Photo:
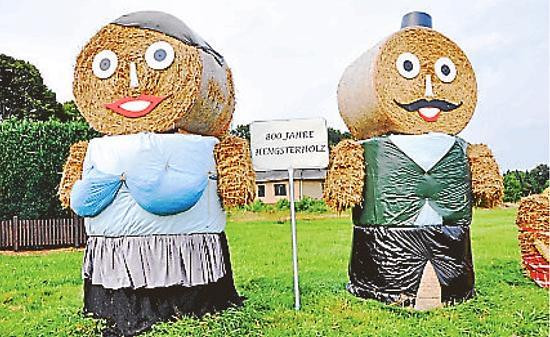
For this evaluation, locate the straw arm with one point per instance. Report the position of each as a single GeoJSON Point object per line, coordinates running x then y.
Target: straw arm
{"type": "Point", "coordinates": [487, 182]}
{"type": "Point", "coordinates": [72, 171]}
{"type": "Point", "coordinates": [236, 177]}
{"type": "Point", "coordinates": [343, 186]}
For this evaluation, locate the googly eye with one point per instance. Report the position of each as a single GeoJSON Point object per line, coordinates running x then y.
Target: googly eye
{"type": "Point", "coordinates": [159, 55]}
{"type": "Point", "coordinates": [445, 69]}
{"type": "Point", "coordinates": [408, 65]}
{"type": "Point", "coordinates": [104, 64]}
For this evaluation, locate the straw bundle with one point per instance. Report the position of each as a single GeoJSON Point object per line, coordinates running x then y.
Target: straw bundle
{"type": "Point", "coordinates": [236, 177]}
{"type": "Point", "coordinates": [533, 223]}
{"type": "Point", "coordinates": [371, 86]}
{"type": "Point", "coordinates": [487, 183]}
{"type": "Point", "coordinates": [72, 171]}
{"type": "Point", "coordinates": [343, 186]}
{"type": "Point", "coordinates": [185, 84]}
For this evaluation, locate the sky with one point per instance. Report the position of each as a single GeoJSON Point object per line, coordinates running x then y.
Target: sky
{"type": "Point", "coordinates": [287, 56]}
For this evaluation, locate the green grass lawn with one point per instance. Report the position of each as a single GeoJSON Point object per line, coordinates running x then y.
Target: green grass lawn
{"type": "Point", "coordinates": [41, 294]}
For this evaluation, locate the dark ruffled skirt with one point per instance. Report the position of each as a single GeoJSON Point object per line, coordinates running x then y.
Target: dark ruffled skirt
{"type": "Point", "coordinates": [387, 263]}
{"type": "Point", "coordinates": [130, 311]}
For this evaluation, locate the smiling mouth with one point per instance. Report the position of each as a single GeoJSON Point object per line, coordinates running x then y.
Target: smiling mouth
{"type": "Point", "coordinates": [429, 110]}
{"type": "Point", "coordinates": [134, 107]}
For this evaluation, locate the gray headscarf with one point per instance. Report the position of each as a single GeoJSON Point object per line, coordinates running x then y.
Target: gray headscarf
{"type": "Point", "coordinates": [169, 25]}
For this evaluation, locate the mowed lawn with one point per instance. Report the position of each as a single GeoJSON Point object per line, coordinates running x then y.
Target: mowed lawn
{"type": "Point", "coordinates": [41, 295]}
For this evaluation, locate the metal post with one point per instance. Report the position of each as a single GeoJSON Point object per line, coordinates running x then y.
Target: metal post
{"type": "Point", "coordinates": [294, 239]}
{"type": "Point", "coordinates": [15, 232]}
{"type": "Point", "coordinates": [76, 229]}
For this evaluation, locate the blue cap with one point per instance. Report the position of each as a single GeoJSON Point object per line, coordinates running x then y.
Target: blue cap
{"type": "Point", "coordinates": [416, 19]}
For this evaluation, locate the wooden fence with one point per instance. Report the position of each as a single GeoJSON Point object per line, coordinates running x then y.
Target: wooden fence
{"type": "Point", "coordinates": [18, 234]}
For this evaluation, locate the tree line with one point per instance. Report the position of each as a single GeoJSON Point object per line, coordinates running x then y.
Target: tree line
{"type": "Point", "coordinates": [518, 184]}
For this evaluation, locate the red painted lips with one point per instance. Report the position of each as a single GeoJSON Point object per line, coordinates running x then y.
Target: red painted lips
{"type": "Point", "coordinates": [134, 107]}
{"type": "Point", "coordinates": [429, 114]}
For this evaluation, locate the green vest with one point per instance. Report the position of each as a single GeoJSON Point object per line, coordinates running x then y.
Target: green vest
{"type": "Point", "coordinates": [396, 188]}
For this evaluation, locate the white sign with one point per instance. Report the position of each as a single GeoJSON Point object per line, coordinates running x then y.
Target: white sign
{"type": "Point", "coordinates": [284, 144]}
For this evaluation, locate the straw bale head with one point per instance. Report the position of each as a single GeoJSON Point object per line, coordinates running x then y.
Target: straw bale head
{"type": "Point", "coordinates": [415, 81]}
{"type": "Point", "coordinates": [147, 71]}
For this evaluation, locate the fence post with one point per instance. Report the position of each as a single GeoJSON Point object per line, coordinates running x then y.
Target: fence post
{"type": "Point", "coordinates": [15, 232]}
{"type": "Point", "coordinates": [76, 230]}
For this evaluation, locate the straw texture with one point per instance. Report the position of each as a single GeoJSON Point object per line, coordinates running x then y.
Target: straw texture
{"type": "Point", "coordinates": [371, 86]}
{"type": "Point", "coordinates": [343, 186]}
{"type": "Point", "coordinates": [487, 183]}
{"type": "Point", "coordinates": [184, 84]}
{"type": "Point", "coordinates": [72, 171]}
{"type": "Point", "coordinates": [236, 177]}
{"type": "Point", "coordinates": [533, 223]}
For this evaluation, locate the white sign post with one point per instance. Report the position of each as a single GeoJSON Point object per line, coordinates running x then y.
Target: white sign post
{"type": "Point", "coordinates": [288, 145]}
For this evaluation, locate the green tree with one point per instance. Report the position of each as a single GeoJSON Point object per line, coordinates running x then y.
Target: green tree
{"type": "Point", "coordinates": [71, 112]}
{"type": "Point", "coordinates": [242, 131]}
{"type": "Point", "coordinates": [335, 136]}
{"type": "Point", "coordinates": [512, 187]}
{"type": "Point", "coordinates": [539, 178]}
{"type": "Point", "coordinates": [23, 93]}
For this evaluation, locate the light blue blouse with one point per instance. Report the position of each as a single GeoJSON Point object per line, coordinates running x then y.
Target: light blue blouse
{"type": "Point", "coordinates": [149, 184]}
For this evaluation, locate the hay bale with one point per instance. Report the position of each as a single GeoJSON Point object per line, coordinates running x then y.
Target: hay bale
{"type": "Point", "coordinates": [72, 171]}
{"type": "Point", "coordinates": [199, 91]}
{"type": "Point", "coordinates": [487, 182]}
{"type": "Point", "coordinates": [236, 177]}
{"type": "Point", "coordinates": [343, 187]}
{"type": "Point", "coordinates": [371, 85]}
{"type": "Point", "coordinates": [533, 223]}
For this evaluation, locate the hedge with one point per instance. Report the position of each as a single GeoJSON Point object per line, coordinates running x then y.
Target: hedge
{"type": "Point", "coordinates": [32, 155]}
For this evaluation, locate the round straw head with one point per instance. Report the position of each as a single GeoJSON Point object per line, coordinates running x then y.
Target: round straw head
{"type": "Point", "coordinates": [132, 77]}
{"type": "Point", "coordinates": [414, 82]}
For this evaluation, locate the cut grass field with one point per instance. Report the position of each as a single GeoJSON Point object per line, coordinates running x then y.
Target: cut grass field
{"type": "Point", "coordinates": [41, 294]}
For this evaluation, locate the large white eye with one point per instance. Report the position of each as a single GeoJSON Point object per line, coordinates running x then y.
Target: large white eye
{"type": "Point", "coordinates": [159, 55]}
{"type": "Point", "coordinates": [408, 65]}
{"type": "Point", "coordinates": [445, 69]}
{"type": "Point", "coordinates": [104, 64]}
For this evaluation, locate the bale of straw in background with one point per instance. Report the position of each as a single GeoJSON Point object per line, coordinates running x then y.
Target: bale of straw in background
{"type": "Point", "coordinates": [72, 171]}
{"type": "Point", "coordinates": [487, 183]}
{"type": "Point", "coordinates": [533, 223]}
{"type": "Point", "coordinates": [236, 177]}
{"type": "Point", "coordinates": [343, 186]}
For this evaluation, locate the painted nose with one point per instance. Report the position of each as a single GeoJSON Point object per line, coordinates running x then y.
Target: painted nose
{"type": "Point", "coordinates": [429, 91]}
{"type": "Point", "coordinates": [134, 83]}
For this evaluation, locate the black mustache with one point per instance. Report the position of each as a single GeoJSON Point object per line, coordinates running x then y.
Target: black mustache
{"type": "Point", "coordinates": [422, 103]}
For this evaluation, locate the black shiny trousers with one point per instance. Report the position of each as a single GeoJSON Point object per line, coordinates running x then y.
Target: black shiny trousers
{"type": "Point", "coordinates": [387, 262]}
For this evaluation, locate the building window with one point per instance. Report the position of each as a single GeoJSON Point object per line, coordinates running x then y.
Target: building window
{"type": "Point", "coordinates": [280, 189]}
{"type": "Point", "coordinates": [261, 191]}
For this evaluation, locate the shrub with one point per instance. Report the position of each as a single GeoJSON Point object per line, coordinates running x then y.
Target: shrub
{"type": "Point", "coordinates": [308, 204]}
{"type": "Point", "coordinates": [32, 155]}
{"type": "Point", "coordinates": [282, 204]}
{"type": "Point", "coordinates": [257, 206]}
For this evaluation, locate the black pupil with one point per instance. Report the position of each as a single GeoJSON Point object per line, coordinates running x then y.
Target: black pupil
{"type": "Point", "coordinates": [445, 70]}
{"type": "Point", "coordinates": [105, 64]}
{"type": "Point", "coordinates": [408, 65]}
{"type": "Point", "coordinates": [160, 55]}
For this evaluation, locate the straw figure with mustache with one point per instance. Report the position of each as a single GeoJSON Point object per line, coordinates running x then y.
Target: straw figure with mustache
{"type": "Point", "coordinates": [410, 180]}
{"type": "Point", "coordinates": [154, 188]}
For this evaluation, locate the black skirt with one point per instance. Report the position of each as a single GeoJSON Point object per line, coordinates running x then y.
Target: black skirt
{"type": "Point", "coordinates": [131, 311]}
